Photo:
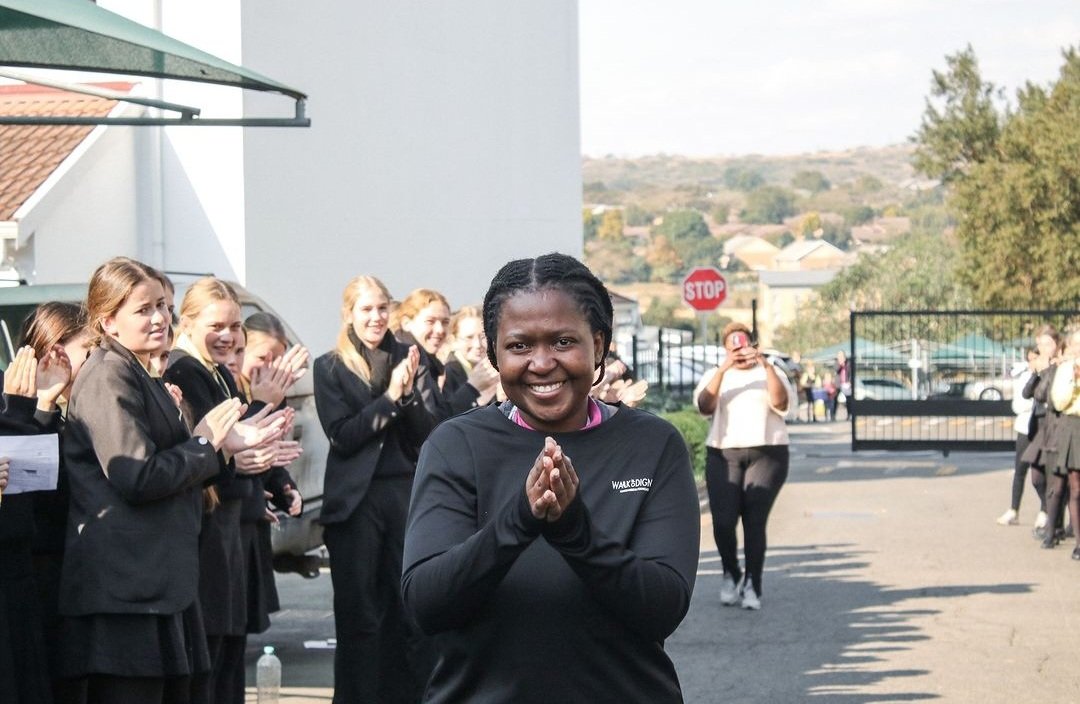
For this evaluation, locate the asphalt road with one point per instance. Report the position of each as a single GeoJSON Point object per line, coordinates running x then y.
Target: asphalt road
{"type": "Point", "coordinates": [887, 580]}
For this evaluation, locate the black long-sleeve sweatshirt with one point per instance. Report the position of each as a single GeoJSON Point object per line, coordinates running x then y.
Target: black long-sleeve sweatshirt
{"type": "Point", "coordinates": [572, 611]}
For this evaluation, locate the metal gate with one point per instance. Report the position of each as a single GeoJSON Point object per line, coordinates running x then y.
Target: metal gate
{"type": "Point", "coordinates": [940, 380]}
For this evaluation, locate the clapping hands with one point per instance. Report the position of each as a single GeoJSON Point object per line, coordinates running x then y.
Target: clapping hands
{"type": "Point", "coordinates": [552, 483]}
{"type": "Point", "coordinates": [403, 375]}
{"type": "Point", "coordinates": [270, 382]}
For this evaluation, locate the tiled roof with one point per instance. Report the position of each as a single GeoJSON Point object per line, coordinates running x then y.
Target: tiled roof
{"type": "Point", "coordinates": [30, 153]}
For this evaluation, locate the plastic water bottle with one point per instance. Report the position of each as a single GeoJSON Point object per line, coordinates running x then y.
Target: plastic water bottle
{"type": "Point", "coordinates": [268, 676]}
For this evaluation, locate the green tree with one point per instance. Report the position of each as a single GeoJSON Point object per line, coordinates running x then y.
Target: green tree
{"type": "Point", "coordinates": [614, 261]}
{"type": "Point", "coordinates": [866, 183]}
{"type": "Point", "coordinates": [739, 178]}
{"type": "Point", "coordinates": [1012, 184]}
{"type": "Point", "coordinates": [661, 312]}
{"type": "Point", "coordinates": [611, 225]}
{"type": "Point", "coordinates": [589, 224]}
{"type": "Point", "coordinates": [837, 235]}
{"type": "Point", "coordinates": [682, 224]}
{"type": "Point", "coordinates": [961, 124]}
{"type": "Point", "coordinates": [915, 273]}
{"type": "Point", "coordinates": [769, 204]}
{"type": "Point", "coordinates": [858, 215]}
{"type": "Point", "coordinates": [811, 223]}
{"type": "Point", "coordinates": [813, 181]}
{"type": "Point", "coordinates": [663, 261]}
{"type": "Point", "coordinates": [636, 216]}
{"type": "Point", "coordinates": [720, 213]}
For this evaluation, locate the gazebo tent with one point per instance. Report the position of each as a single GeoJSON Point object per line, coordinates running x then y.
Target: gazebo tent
{"type": "Point", "coordinates": [77, 35]}
{"type": "Point", "coordinates": [867, 354]}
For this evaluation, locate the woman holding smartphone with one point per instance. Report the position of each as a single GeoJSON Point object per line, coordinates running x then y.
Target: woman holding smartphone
{"type": "Point", "coordinates": [747, 457]}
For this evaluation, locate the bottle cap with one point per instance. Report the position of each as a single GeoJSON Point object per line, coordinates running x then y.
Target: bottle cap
{"type": "Point", "coordinates": [269, 649]}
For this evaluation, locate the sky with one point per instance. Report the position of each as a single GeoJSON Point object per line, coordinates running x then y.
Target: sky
{"type": "Point", "coordinates": [722, 78]}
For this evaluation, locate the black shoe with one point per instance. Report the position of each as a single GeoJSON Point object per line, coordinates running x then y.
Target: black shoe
{"type": "Point", "coordinates": [1069, 532]}
{"type": "Point", "coordinates": [1060, 534]}
{"type": "Point", "coordinates": [1049, 542]}
{"type": "Point", "coordinates": [1076, 553]}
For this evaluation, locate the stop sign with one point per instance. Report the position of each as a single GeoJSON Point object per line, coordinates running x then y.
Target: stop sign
{"type": "Point", "coordinates": [704, 288]}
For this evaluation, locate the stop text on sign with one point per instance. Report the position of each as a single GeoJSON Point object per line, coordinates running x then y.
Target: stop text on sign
{"type": "Point", "coordinates": [703, 290]}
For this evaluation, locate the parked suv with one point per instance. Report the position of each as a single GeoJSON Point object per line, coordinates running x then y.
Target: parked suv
{"type": "Point", "coordinates": [293, 537]}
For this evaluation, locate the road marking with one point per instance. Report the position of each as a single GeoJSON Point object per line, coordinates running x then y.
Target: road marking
{"type": "Point", "coordinates": [328, 644]}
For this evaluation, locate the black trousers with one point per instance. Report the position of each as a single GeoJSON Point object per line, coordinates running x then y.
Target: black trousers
{"type": "Point", "coordinates": [743, 483]}
{"type": "Point", "coordinates": [224, 684]}
{"type": "Point", "coordinates": [381, 655]}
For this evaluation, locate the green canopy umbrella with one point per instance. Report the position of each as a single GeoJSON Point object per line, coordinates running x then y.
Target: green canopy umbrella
{"type": "Point", "coordinates": [78, 35]}
{"type": "Point", "coordinates": [971, 348]}
{"type": "Point", "coordinates": [867, 353]}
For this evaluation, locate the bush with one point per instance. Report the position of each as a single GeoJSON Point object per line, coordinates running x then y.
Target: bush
{"type": "Point", "coordinates": [694, 428]}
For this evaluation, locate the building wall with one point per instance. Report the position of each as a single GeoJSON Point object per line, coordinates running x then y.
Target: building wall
{"type": "Point", "coordinates": [192, 179]}
{"type": "Point", "coordinates": [779, 306]}
{"type": "Point", "coordinates": [87, 214]}
{"type": "Point", "coordinates": [445, 141]}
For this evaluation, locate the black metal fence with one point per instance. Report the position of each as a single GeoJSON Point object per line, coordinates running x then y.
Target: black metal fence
{"type": "Point", "coordinates": [673, 360]}
{"type": "Point", "coordinates": [940, 380]}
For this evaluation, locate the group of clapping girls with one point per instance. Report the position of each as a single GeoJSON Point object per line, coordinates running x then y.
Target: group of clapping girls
{"type": "Point", "coordinates": [1048, 435]}
{"type": "Point", "coordinates": [139, 577]}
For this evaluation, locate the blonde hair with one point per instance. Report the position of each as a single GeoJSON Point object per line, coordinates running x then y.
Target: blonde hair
{"type": "Point", "coordinates": [345, 348]}
{"type": "Point", "coordinates": [462, 314]}
{"type": "Point", "coordinates": [110, 286]}
{"type": "Point", "coordinates": [415, 302]}
{"type": "Point", "coordinates": [202, 293]}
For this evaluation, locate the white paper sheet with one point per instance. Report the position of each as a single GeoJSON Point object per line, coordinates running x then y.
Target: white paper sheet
{"type": "Point", "coordinates": [35, 462]}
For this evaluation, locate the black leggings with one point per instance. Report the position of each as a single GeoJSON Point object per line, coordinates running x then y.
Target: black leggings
{"type": "Point", "coordinates": [1057, 496]}
{"type": "Point", "coordinates": [1020, 470]}
{"type": "Point", "coordinates": [743, 483]}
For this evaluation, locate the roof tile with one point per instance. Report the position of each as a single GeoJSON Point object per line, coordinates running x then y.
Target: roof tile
{"type": "Point", "coordinates": [30, 153]}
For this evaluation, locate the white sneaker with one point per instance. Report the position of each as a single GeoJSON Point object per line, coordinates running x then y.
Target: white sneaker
{"type": "Point", "coordinates": [1008, 518]}
{"type": "Point", "coordinates": [729, 591]}
{"type": "Point", "coordinates": [1040, 520]}
{"type": "Point", "coordinates": [750, 599]}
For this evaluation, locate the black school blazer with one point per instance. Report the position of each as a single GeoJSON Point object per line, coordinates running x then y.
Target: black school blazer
{"type": "Point", "coordinates": [136, 478]}
{"type": "Point", "coordinates": [357, 424]}
{"type": "Point", "coordinates": [201, 393]}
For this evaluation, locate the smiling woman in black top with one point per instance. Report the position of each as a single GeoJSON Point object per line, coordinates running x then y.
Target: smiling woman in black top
{"type": "Point", "coordinates": [543, 578]}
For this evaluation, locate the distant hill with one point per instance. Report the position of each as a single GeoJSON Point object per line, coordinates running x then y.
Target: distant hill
{"type": "Point", "coordinates": [891, 165]}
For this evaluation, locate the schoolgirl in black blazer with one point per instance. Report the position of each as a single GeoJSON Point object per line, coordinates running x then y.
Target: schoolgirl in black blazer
{"type": "Point", "coordinates": [209, 330]}
{"type": "Point", "coordinates": [24, 661]}
{"type": "Point", "coordinates": [369, 393]}
{"type": "Point", "coordinates": [130, 573]}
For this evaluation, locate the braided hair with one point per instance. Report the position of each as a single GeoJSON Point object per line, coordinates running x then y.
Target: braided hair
{"type": "Point", "coordinates": [553, 271]}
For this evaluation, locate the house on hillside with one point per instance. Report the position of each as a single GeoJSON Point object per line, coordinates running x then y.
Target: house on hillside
{"type": "Point", "coordinates": [880, 231]}
{"type": "Point", "coordinates": [68, 193]}
{"type": "Point", "coordinates": [627, 318]}
{"type": "Point", "coordinates": [794, 222]}
{"type": "Point", "coordinates": [754, 253]}
{"type": "Point", "coordinates": [781, 293]}
{"type": "Point", "coordinates": [811, 255]}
